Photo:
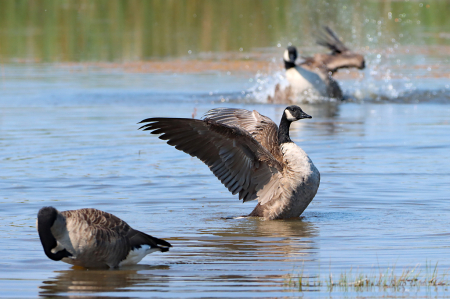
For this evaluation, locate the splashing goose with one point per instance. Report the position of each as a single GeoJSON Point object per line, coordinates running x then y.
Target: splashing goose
{"type": "Point", "coordinates": [313, 77]}
{"type": "Point", "coordinates": [93, 238]}
{"type": "Point", "coordinates": [250, 155]}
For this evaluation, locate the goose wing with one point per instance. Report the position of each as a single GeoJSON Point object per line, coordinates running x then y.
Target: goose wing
{"type": "Point", "coordinates": [99, 234]}
{"type": "Point", "coordinates": [260, 127]}
{"type": "Point", "coordinates": [236, 158]}
{"type": "Point", "coordinates": [330, 40]}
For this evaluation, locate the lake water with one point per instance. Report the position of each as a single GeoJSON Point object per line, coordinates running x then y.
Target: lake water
{"type": "Point", "coordinates": [69, 138]}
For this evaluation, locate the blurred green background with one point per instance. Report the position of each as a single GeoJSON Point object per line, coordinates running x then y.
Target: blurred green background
{"type": "Point", "coordinates": [134, 30]}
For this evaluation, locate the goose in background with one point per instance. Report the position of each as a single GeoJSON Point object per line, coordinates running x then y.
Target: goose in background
{"type": "Point", "coordinates": [250, 155]}
{"type": "Point", "coordinates": [313, 77]}
{"type": "Point", "coordinates": [92, 238]}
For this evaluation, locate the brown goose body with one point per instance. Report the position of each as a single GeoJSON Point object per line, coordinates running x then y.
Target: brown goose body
{"type": "Point", "coordinates": [92, 238]}
{"type": "Point", "coordinates": [250, 155]}
{"type": "Point", "coordinates": [313, 77]}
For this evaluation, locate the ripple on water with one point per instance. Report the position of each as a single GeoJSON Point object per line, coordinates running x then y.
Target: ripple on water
{"type": "Point", "coordinates": [382, 200]}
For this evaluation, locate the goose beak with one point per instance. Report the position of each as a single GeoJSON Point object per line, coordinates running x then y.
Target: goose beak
{"type": "Point", "coordinates": [304, 115]}
{"type": "Point", "coordinates": [363, 65]}
{"type": "Point", "coordinates": [292, 57]}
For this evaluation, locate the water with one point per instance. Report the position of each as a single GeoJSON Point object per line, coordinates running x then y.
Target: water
{"type": "Point", "coordinates": [382, 200]}
{"type": "Point", "coordinates": [69, 138]}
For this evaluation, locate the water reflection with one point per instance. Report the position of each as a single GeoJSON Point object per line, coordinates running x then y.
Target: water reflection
{"type": "Point", "coordinates": [95, 281]}
{"type": "Point", "coordinates": [253, 239]}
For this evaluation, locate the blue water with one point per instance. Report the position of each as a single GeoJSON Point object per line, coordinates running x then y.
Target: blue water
{"type": "Point", "coordinates": [70, 140]}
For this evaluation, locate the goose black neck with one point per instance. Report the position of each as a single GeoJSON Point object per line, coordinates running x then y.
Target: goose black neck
{"type": "Point", "coordinates": [288, 64]}
{"type": "Point", "coordinates": [46, 219]}
{"type": "Point", "coordinates": [283, 130]}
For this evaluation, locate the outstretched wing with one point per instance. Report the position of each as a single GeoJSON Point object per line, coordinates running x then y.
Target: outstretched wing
{"type": "Point", "coordinates": [330, 40]}
{"type": "Point", "coordinates": [237, 159]}
{"type": "Point", "coordinates": [260, 127]}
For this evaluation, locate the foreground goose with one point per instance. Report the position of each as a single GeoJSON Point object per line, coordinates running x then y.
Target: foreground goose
{"type": "Point", "coordinates": [93, 238]}
{"type": "Point", "coordinates": [250, 155]}
{"type": "Point", "coordinates": [313, 77]}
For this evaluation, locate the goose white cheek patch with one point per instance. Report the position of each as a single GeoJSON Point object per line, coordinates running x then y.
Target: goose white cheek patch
{"type": "Point", "coordinates": [289, 116]}
{"type": "Point", "coordinates": [286, 56]}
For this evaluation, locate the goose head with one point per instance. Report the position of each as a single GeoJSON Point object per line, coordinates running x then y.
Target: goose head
{"type": "Point", "coordinates": [289, 57]}
{"type": "Point", "coordinates": [294, 113]}
{"type": "Point", "coordinates": [45, 221]}
{"type": "Point", "coordinates": [291, 113]}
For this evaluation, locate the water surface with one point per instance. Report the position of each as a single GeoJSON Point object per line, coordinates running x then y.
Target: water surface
{"type": "Point", "coordinates": [382, 200]}
{"type": "Point", "coordinates": [69, 138]}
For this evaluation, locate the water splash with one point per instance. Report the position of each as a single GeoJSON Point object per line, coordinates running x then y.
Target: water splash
{"type": "Point", "coordinates": [391, 75]}
{"type": "Point", "coordinates": [265, 85]}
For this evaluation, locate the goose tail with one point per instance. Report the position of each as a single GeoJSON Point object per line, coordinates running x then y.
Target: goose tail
{"type": "Point", "coordinates": [161, 244]}
{"type": "Point", "coordinates": [137, 239]}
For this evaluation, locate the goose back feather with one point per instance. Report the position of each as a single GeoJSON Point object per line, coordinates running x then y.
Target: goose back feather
{"type": "Point", "coordinates": [260, 127]}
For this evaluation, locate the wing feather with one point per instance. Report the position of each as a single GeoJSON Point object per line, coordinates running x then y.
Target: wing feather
{"type": "Point", "coordinates": [101, 233]}
{"type": "Point", "coordinates": [330, 40]}
{"type": "Point", "coordinates": [232, 153]}
{"type": "Point", "coordinates": [106, 237]}
{"type": "Point", "coordinates": [260, 127]}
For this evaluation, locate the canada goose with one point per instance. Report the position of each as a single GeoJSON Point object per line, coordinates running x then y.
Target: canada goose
{"type": "Point", "coordinates": [313, 76]}
{"type": "Point", "coordinates": [250, 155]}
{"type": "Point", "coordinates": [93, 238]}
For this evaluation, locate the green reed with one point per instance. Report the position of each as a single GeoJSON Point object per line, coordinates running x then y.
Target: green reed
{"type": "Point", "coordinates": [134, 30]}
{"type": "Point", "coordinates": [385, 279]}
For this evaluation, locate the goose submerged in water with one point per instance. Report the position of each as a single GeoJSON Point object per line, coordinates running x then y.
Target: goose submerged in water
{"type": "Point", "coordinates": [250, 155]}
{"type": "Point", "coordinates": [93, 238]}
{"type": "Point", "coordinates": [313, 78]}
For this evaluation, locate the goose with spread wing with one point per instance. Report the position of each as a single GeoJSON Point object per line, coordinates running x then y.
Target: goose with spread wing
{"type": "Point", "coordinates": [250, 155]}
{"type": "Point", "coordinates": [92, 238]}
{"type": "Point", "coordinates": [313, 77]}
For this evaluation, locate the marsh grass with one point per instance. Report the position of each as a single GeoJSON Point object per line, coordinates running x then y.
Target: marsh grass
{"type": "Point", "coordinates": [387, 279]}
